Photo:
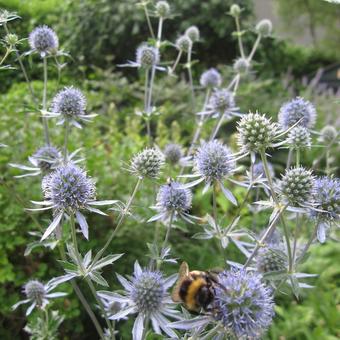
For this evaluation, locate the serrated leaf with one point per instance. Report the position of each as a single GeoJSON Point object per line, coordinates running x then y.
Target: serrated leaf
{"type": "Point", "coordinates": [96, 277]}
{"type": "Point", "coordinates": [105, 261]}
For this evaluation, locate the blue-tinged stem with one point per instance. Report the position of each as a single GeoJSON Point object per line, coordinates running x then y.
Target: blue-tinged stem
{"type": "Point", "coordinates": [45, 123]}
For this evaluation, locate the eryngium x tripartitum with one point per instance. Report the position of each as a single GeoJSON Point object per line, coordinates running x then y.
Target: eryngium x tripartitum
{"type": "Point", "coordinates": [297, 186]}
{"type": "Point", "coordinates": [193, 33]}
{"type": "Point", "coordinates": [264, 27]}
{"type": "Point", "coordinates": [256, 132]}
{"type": "Point", "coordinates": [243, 303]}
{"type": "Point", "coordinates": [211, 78]}
{"type": "Point", "coordinates": [147, 56]}
{"type": "Point", "coordinates": [68, 188]}
{"type": "Point", "coordinates": [35, 291]}
{"type": "Point", "coordinates": [70, 102]}
{"type": "Point", "coordinates": [173, 197]}
{"type": "Point", "coordinates": [299, 138]}
{"type": "Point", "coordinates": [268, 260]}
{"type": "Point", "coordinates": [162, 9]}
{"type": "Point", "coordinates": [173, 153]}
{"type": "Point", "coordinates": [221, 101]}
{"type": "Point", "coordinates": [328, 134]}
{"type": "Point", "coordinates": [241, 65]}
{"type": "Point", "coordinates": [297, 110]}
{"type": "Point", "coordinates": [147, 163]}
{"type": "Point", "coordinates": [327, 199]}
{"type": "Point", "coordinates": [145, 294]}
{"type": "Point", "coordinates": [184, 43]}
{"type": "Point", "coordinates": [43, 39]}
{"type": "Point", "coordinates": [46, 158]}
{"type": "Point", "coordinates": [214, 161]}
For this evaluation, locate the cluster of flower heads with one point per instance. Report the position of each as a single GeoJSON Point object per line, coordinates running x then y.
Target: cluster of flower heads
{"type": "Point", "coordinates": [184, 42]}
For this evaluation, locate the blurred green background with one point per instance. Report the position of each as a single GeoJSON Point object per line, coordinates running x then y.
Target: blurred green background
{"type": "Point", "coordinates": [101, 34]}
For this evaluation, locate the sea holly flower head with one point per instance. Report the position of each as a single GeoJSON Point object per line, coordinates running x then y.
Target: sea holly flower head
{"type": "Point", "coordinates": [211, 78]}
{"type": "Point", "coordinates": [184, 43]}
{"type": "Point", "coordinates": [145, 294]}
{"type": "Point", "coordinates": [256, 132]}
{"type": "Point", "coordinates": [222, 102]}
{"type": "Point", "coordinates": [69, 105]}
{"type": "Point", "coordinates": [148, 163]}
{"type": "Point", "coordinates": [264, 27]}
{"type": "Point", "coordinates": [213, 163]}
{"type": "Point", "coordinates": [326, 199]}
{"type": "Point", "coordinates": [68, 190]}
{"type": "Point", "coordinates": [296, 186]}
{"type": "Point", "coordinates": [43, 40]}
{"type": "Point", "coordinates": [162, 9]}
{"type": "Point", "coordinates": [193, 33]}
{"type": "Point", "coordinates": [241, 66]}
{"type": "Point", "coordinates": [299, 111]}
{"type": "Point", "coordinates": [243, 303]}
{"type": "Point", "coordinates": [173, 200]}
{"type": "Point", "coordinates": [328, 134]}
{"type": "Point", "coordinates": [299, 138]}
{"type": "Point", "coordinates": [235, 10]}
{"type": "Point", "coordinates": [269, 260]}
{"type": "Point", "coordinates": [39, 294]}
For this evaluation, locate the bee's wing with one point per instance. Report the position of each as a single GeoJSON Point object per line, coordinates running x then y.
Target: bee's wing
{"type": "Point", "coordinates": [183, 273]}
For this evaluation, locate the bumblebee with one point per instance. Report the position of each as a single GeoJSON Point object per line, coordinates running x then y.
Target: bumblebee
{"type": "Point", "coordinates": [195, 288]}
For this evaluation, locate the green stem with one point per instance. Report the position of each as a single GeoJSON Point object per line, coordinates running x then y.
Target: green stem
{"type": "Point", "coordinates": [146, 327]}
{"type": "Point", "coordinates": [120, 221]}
{"type": "Point", "coordinates": [271, 186]}
{"type": "Point", "coordinates": [310, 241]}
{"type": "Point", "coordinates": [149, 22]}
{"type": "Point", "coordinates": [255, 46]}
{"type": "Point", "coordinates": [173, 68]}
{"type": "Point", "coordinates": [295, 235]}
{"type": "Point", "coordinates": [191, 83]}
{"type": "Point", "coordinates": [166, 238]}
{"type": "Point", "coordinates": [8, 51]}
{"type": "Point", "coordinates": [289, 158]}
{"type": "Point", "coordinates": [159, 33]}
{"type": "Point", "coordinates": [46, 132]}
{"type": "Point", "coordinates": [23, 69]}
{"type": "Point", "coordinates": [297, 157]}
{"type": "Point", "coordinates": [83, 299]}
{"type": "Point", "coordinates": [67, 131]}
{"type": "Point", "coordinates": [88, 281]}
{"type": "Point", "coordinates": [239, 37]}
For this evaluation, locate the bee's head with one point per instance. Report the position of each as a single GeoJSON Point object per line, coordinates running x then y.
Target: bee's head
{"type": "Point", "coordinates": [205, 296]}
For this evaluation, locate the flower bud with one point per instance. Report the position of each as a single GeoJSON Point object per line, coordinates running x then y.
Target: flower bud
{"type": "Point", "coordinates": [264, 27]}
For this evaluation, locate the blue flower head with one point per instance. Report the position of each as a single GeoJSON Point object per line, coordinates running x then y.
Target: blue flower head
{"type": "Point", "coordinates": [43, 40]}
{"type": "Point", "coordinates": [243, 303]}
{"type": "Point", "coordinates": [296, 110]}
{"type": "Point", "coordinates": [211, 78]}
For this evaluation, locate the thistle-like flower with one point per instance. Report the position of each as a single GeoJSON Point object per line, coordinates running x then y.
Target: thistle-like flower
{"type": "Point", "coordinates": [297, 186]}
{"type": "Point", "coordinates": [328, 135]}
{"type": "Point", "coordinates": [243, 308]}
{"type": "Point", "coordinates": [264, 27]}
{"type": "Point", "coordinates": [147, 163]}
{"type": "Point", "coordinates": [69, 105]}
{"type": "Point", "coordinates": [162, 9]}
{"type": "Point", "coordinates": [38, 294]}
{"type": "Point", "coordinates": [43, 40]}
{"type": "Point", "coordinates": [235, 10]}
{"type": "Point", "coordinates": [256, 132]}
{"type": "Point", "coordinates": [173, 200]}
{"type": "Point", "coordinates": [327, 199]}
{"type": "Point", "coordinates": [269, 260]}
{"type": "Point", "coordinates": [193, 33]}
{"type": "Point", "coordinates": [213, 163]}
{"type": "Point", "coordinates": [68, 190]}
{"type": "Point", "coordinates": [241, 66]}
{"type": "Point", "coordinates": [221, 102]}
{"type": "Point", "coordinates": [146, 57]}
{"type": "Point", "coordinates": [173, 153]}
{"type": "Point", "coordinates": [299, 111]}
{"type": "Point", "coordinates": [243, 303]}
{"type": "Point", "coordinates": [44, 160]}
{"type": "Point", "coordinates": [145, 295]}
{"type": "Point", "coordinates": [211, 78]}
{"type": "Point", "coordinates": [184, 43]}
{"type": "Point", "coordinates": [299, 138]}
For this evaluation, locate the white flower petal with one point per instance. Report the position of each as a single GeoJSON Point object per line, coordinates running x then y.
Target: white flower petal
{"type": "Point", "coordinates": [83, 224]}
{"type": "Point", "coordinates": [138, 327]}
{"type": "Point", "coordinates": [52, 226]}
